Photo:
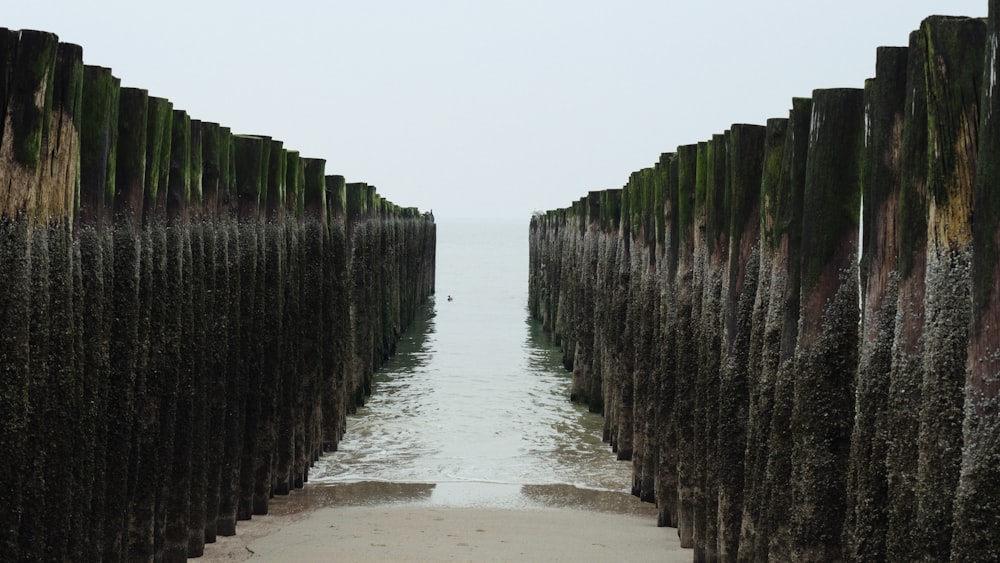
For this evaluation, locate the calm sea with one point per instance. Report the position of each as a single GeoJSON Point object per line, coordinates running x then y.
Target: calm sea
{"type": "Point", "coordinates": [473, 409]}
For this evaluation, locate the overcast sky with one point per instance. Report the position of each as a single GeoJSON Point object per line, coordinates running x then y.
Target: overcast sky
{"type": "Point", "coordinates": [483, 108]}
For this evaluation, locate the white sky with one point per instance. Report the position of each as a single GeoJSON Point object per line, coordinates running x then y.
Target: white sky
{"type": "Point", "coordinates": [483, 108]}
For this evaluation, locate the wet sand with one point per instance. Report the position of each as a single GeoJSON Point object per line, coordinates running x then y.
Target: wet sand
{"type": "Point", "coordinates": [407, 522]}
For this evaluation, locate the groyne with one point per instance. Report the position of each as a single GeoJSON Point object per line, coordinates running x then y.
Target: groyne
{"type": "Point", "coordinates": [792, 330]}
{"type": "Point", "coordinates": [186, 314]}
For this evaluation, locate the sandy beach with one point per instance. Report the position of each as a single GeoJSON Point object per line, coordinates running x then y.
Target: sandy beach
{"type": "Point", "coordinates": [316, 525]}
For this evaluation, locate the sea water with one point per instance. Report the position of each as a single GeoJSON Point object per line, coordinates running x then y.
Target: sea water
{"type": "Point", "coordinates": [474, 407]}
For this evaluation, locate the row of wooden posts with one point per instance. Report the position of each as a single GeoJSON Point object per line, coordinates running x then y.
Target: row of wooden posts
{"type": "Point", "coordinates": [186, 315]}
{"type": "Point", "coordinates": [793, 330]}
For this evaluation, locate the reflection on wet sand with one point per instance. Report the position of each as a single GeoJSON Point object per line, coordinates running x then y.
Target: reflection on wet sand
{"type": "Point", "coordinates": [568, 496]}
{"type": "Point", "coordinates": [316, 496]}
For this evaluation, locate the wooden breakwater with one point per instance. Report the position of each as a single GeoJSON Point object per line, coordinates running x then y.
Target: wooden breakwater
{"type": "Point", "coordinates": [186, 314]}
{"type": "Point", "coordinates": [796, 376]}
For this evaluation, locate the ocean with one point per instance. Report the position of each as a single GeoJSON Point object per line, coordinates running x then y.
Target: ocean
{"type": "Point", "coordinates": [474, 409]}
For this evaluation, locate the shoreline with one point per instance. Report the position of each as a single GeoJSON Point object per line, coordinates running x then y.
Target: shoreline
{"type": "Point", "coordinates": [405, 522]}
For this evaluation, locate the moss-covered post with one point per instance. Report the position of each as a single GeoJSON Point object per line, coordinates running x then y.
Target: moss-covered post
{"type": "Point", "coordinates": [26, 59]}
{"type": "Point", "coordinates": [907, 350]}
{"type": "Point", "coordinates": [14, 342]}
{"type": "Point", "coordinates": [269, 339]}
{"type": "Point", "coordinates": [291, 384]}
{"type": "Point", "coordinates": [98, 145]}
{"type": "Point", "coordinates": [336, 196]}
{"type": "Point", "coordinates": [123, 335]}
{"type": "Point", "coordinates": [158, 139]}
{"type": "Point", "coordinates": [826, 356]}
{"type": "Point", "coordinates": [866, 518]}
{"type": "Point", "coordinates": [251, 158]}
{"type": "Point", "coordinates": [337, 356]}
{"type": "Point", "coordinates": [316, 396]}
{"type": "Point", "coordinates": [686, 345]}
{"type": "Point", "coordinates": [99, 134]}
{"type": "Point", "coordinates": [955, 50]}
{"type": "Point", "coordinates": [661, 432]}
{"type": "Point", "coordinates": [173, 377]}
{"type": "Point", "coordinates": [215, 295]}
{"type": "Point", "coordinates": [55, 402]}
{"type": "Point", "coordinates": [229, 274]}
{"type": "Point", "coordinates": [760, 385]}
{"type": "Point", "coordinates": [739, 287]}
{"type": "Point", "coordinates": [197, 276]}
{"type": "Point", "coordinates": [290, 407]}
{"type": "Point", "coordinates": [59, 188]}
{"type": "Point", "coordinates": [32, 58]}
{"type": "Point", "coordinates": [715, 247]}
{"type": "Point", "coordinates": [774, 535]}
{"type": "Point", "coordinates": [977, 501]}
{"type": "Point", "coordinates": [666, 485]}
{"type": "Point", "coordinates": [156, 373]}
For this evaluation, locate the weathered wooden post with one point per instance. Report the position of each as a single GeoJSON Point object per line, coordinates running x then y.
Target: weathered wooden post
{"type": "Point", "coordinates": [954, 73]}
{"type": "Point", "coordinates": [289, 436]}
{"type": "Point", "coordinates": [98, 150]}
{"type": "Point", "coordinates": [216, 296]}
{"type": "Point", "coordinates": [866, 517]}
{"type": "Point", "coordinates": [56, 407]}
{"type": "Point", "coordinates": [315, 240]}
{"type": "Point", "coordinates": [31, 58]}
{"type": "Point", "coordinates": [27, 59]}
{"type": "Point", "coordinates": [124, 344]}
{"type": "Point", "coordinates": [98, 145]}
{"type": "Point", "coordinates": [338, 355]}
{"type": "Point", "coordinates": [688, 305]}
{"type": "Point", "coordinates": [236, 200]}
{"type": "Point", "coordinates": [269, 340]}
{"type": "Point", "coordinates": [251, 158]}
{"type": "Point", "coordinates": [714, 250]}
{"type": "Point", "coordinates": [666, 485]}
{"type": "Point", "coordinates": [175, 377]}
{"type": "Point", "coordinates": [774, 537]}
{"type": "Point", "coordinates": [764, 335]}
{"type": "Point", "coordinates": [826, 355]}
{"type": "Point", "coordinates": [976, 512]}
{"type": "Point", "coordinates": [200, 276]}
{"type": "Point", "coordinates": [236, 490]}
{"type": "Point", "coordinates": [907, 349]}
{"type": "Point", "coordinates": [739, 291]}
{"type": "Point", "coordinates": [29, 62]}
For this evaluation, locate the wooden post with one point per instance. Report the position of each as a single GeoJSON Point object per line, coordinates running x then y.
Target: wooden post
{"type": "Point", "coordinates": [907, 349]}
{"type": "Point", "coordinates": [826, 356]}
{"type": "Point", "coordinates": [954, 73]}
{"type": "Point", "coordinates": [885, 95]}
{"type": "Point", "coordinates": [739, 287]}
{"type": "Point", "coordinates": [159, 133]}
{"type": "Point", "coordinates": [176, 400]}
{"type": "Point", "coordinates": [31, 58]}
{"type": "Point", "coordinates": [975, 515]}
{"type": "Point", "coordinates": [666, 485]}
{"type": "Point", "coordinates": [59, 188]}
{"type": "Point", "coordinates": [98, 140]}
{"type": "Point", "coordinates": [760, 370]}
{"type": "Point", "coordinates": [98, 145]}
{"type": "Point", "coordinates": [15, 374]}
{"type": "Point", "coordinates": [774, 537]}
{"type": "Point", "coordinates": [200, 277]}
{"type": "Point", "coordinates": [714, 248]}
{"type": "Point", "coordinates": [688, 299]}
{"type": "Point", "coordinates": [124, 343]}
